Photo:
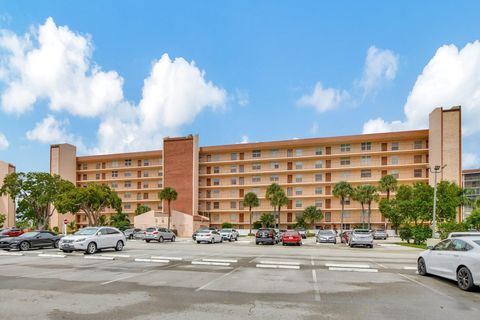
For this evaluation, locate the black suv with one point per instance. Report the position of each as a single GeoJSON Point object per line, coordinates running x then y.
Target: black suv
{"type": "Point", "coordinates": [266, 235]}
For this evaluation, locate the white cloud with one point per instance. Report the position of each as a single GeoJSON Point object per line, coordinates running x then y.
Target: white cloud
{"type": "Point", "coordinates": [55, 63]}
{"type": "Point", "coordinates": [3, 142]}
{"type": "Point", "coordinates": [244, 139]}
{"type": "Point", "coordinates": [242, 98]}
{"type": "Point", "coordinates": [450, 78]}
{"type": "Point", "coordinates": [51, 130]}
{"type": "Point", "coordinates": [470, 161]}
{"type": "Point", "coordinates": [323, 99]}
{"type": "Point", "coordinates": [380, 66]}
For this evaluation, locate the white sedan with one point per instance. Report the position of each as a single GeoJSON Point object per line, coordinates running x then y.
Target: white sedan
{"type": "Point", "coordinates": [210, 236]}
{"type": "Point", "coordinates": [456, 259]}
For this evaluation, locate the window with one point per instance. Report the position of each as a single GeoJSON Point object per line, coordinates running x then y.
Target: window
{"type": "Point", "coordinates": [127, 184]}
{"type": "Point", "coordinates": [128, 163]}
{"type": "Point", "coordinates": [274, 152]}
{"type": "Point", "coordinates": [298, 203]}
{"type": "Point", "coordinates": [145, 196]}
{"type": "Point", "coordinates": [418, 144]}
{"type": "Point", "coordinates": [318, 177]}
{"type": "Point", "coordinates": [394, 173]}
{"type": "Point", "coordinates": [256, 166]}
{"type": "Point", "coordinates": [160, 173]}
{"type": "Point", "coordinates": [216, 193]}
{"type": "Point", "coordinates": [216, 157]}
{"type": "Point", "coordinates": [209, 157]}
{"type": "Point", "coordinates": [345, 175]}
{"type": "Point", "coordinates": [417, 173]}
{"type": "Point", "coordinates": [114, 185]}
{"type": "Point", "coordinates": [275, 165]}
{"type": "Point", "coordinates": [146, 162]}
{"type": "Point", "coordinates": [298, 178]}
{"type": "Point", "coordinates": [216, 169]}
{"type": "Point", "coordinates": [289, 191]}
{"type": "Point", "coordinates": [127, 174]}
{"type": "Point", "coordinates": [145, 185]}
{"type": "Point", "coordinates": [241, 168]}
{"type": "Point", "coordinates": [127, 206]}
{"type": "Point", "coordinates": [395, 146]}
{"type": "Point", "coordinates": [299, 152]}
{"type": "Point", "coordinates": [442, 246]}
{"type": "Point", "coordinates": [395, 160]}
{"type": "Point", "coordinates": [233, 217]}
{"type": "Point", "coordinates": [233, 156]}
{"type": "Point", "coordinates": [328, 218]}
{"type": "Point", "coordinates": [345, 147]}
{"type": "Point", "coordinates": [127, 195]}
{"type": "Point", "coordinates": [318, 151]}
{"type": "Point", "coordinates": [233, 205]}
{"type": "Point", "coordinates": [256, 179]}
{"type": "Point", "coordinates": [160, 184]}
{"type": "Point", "coordinates": [233, 169]}
{"type": "Point", "coordinates": [233, 181]}
{"type": "Point", "coordinates": [289, 152]}
{"type": "Point", "coordinates": [274, 178]}
{"type": "Point", "coordinates": [114, 164]}
{"type": "Point", "coordinates": [298, 191]}
{"type": "Point", "coordinates": [241, 181]}
{"type": "Point", "coordinates": [318, 190]}
{"type": "Point", "coordinates": [346, 201]}
{"type": "Point", "coordinates": [146, 174]}
{"type": "Point", "coordinates": [84, 166]}
{"type": "Point", "coordinates": [298, 165]}
{"type": "Point", "coordinates": [366, 173]}
{"type": "Point", "coordinates": [417, 158]}
{"type": "Point", "coordinates": [344, 161]}
{"type": "Point", "coordinates": [256, 154]}
{"type": "Point", "coordinates": [366, 160]}
{"type": "Point", "coordinates": [318, 164]}
{"type": "Point", "coordinates": [216, 205]}
{"type": "Point", "coordinates": [318, 203]}
{"type": "Point", "coordinates": [216, 182]}
{"type": "Point", "coordinates": [233, 193]}
{"type": "Point", "coordinates": [97, 176]}
{"type": "Point", "coordinates": [366, 146]}
{"type": "Point", "coordinates": [256, 191]}
{"type": "Point", "coordinates": [98, 165]}
{"type": "Point", "coordinates": [84, 177]}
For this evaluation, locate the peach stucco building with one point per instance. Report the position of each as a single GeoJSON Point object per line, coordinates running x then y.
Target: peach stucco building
{"type": "Point", "coordinates": [211, 181]}
{"type": "Point", "coordinates": [7, 205]}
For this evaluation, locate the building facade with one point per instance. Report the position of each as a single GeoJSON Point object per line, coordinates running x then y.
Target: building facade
{"type": "Point", "coordinates": [471, 182]}
{"type": "Point", "coordinates": [7, 205]}
{"type": "Point", "coordinates": [212, 181]}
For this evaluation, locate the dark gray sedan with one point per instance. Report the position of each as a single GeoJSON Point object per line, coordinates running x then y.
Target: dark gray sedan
{"type": "Point", "coordinates": [326, 236]}
{"type": "Point", "coordinates": [32, 239]}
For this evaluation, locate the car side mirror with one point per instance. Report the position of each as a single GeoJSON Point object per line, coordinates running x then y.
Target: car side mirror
{"type": "Point", "coordinates": [430, 247]}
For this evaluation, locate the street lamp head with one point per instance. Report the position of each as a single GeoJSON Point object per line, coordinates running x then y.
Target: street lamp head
{"type": "Point", "coordinates": [437, 168]}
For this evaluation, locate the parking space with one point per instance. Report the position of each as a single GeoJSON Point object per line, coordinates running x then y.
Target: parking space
{"type": "Point", "coordinates": [312, 280]}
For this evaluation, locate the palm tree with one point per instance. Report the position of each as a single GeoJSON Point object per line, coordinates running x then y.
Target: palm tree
{"type": "Point", "coordinates": [272, 193]}
{"type": "Point", "coordinates": [250, 200]}
{"type": "Point", "coordinates": [366, 194]}
{"type": "Point", "coordinates": [388, 184]}
{"type": "Point", "coordinates": [342, 190]}
{"type": "Point", "coordinates": [267, 220]}
{"type": "Point", "coordinates": [311, 214]}
{"type": "Point", "coordinates": [282, 200]}
{"type": "Point", "coordinates": [168, 194]}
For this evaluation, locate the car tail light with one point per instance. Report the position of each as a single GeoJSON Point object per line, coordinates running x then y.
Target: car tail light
{"type": "Point", "coordinates": [270, 234]}
{"type": "Point", "coordinates": [155, 232]}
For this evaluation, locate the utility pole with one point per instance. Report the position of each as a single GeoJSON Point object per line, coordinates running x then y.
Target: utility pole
{"type": "Point", "coordinates": [436, 170]}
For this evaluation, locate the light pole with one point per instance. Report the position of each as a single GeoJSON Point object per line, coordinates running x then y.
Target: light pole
{"type": "Point", "coordinates": [436, 170]}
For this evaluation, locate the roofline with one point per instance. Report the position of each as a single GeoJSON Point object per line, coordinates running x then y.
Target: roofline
{"type": "Point", "coordinates": [120, 155]}
{"type": "Point", "coordinates": [398, 135]}
{"type": "Point", "coordinates": [471, 171]}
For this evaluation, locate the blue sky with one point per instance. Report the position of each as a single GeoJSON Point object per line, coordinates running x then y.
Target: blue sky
{"type": "Point", "coordinates": [119, 75]}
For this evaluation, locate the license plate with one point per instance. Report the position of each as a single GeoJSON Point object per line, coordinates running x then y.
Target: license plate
{"type": "Point", "coordinates": [290, 238]}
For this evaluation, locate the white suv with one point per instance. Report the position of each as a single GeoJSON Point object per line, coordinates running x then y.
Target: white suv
{"type": "Point", "coordinates": [92, 239]}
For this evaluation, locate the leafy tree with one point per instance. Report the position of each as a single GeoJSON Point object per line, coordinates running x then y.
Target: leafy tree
{"type": "Point", "coordinates": [366, 194]}
{"type": "Point", "coordinates": [227, 225]}
{"type": "Point", "coordinates": [71, 226]}
{"type": "Point", "coordinates": [169, 194]}
{"type": "Point", "coordinates": [391, 211]}
{"type": "Point", "coordinates": [120, 220]}
{"type": "Point", "coordinates": [102, 221]}
{"type": "Point", "coordinates": [406, 234]}
{"type": "Point", "coordinates": [450, 197]}
{"type": "Point", "coordinates": [92, 200]}
{"type": "Point", "coordinates": [474, 219]}
{"type": "Point", "coordinates": [142, 209]}
{"type": "Point", "coordinates": [257, 225]}
{"type": "Point", "coordinates": [250, 200]}
{"type": "Point", "coordinates": [421, 233]}
{"type": "Point", "coordinates": [36, 194]}
{"type": "Point", "coordinates": [2, 219]}
{"type": "Point", "coordinates": [342, 190]}
{"type": "Point", "coordinates": [267, 220]}
{"type": "Point", "coordinates": [300, 222]}
{"type": "Point", "coordinates": [445, 228]}
{"type": "Point", "coordinates": [311, 214]}
{"type": "Point", "coordinates": [388, 184]}
{"type": "Point", "coordinates": [415, 202]}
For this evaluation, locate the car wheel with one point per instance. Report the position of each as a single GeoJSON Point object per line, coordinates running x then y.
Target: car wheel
{"type": "Point", "coordinates": [230, 240]}
{"type": "Point", "coordinates": [421, 267]}
{"type": "Point", "coordinates": [212, 241]}
{"type": "Point", "coordinates": [119, 246]}
{"type": "Point", "coordinates": [257, 243]}
{"type": "Point", "coordinates": [91, 248]}
{"type": "Point", "coordinates": [284, 244]}
{"type": "Point", "coordinates": [56, 244]}
{"type": "Point", "coordinates": [67, 251]}
{"type": "Point", "coordinates": [173, 239]}
{"type": "Point", "coordinates": [24, 246]}
{"type": "Point", "coordinates": [198, 241]}
{"type": "Point", "coordinates": [464, 279]}
{"type": "Point", "coordinates": [221, 240]}
{"type": "Point", "coordinates": [147, 241]}
{"type": "Point", "coordinates": [160, 240]}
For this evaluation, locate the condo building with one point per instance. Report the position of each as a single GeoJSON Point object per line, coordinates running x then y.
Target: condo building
{"type": "Point", "coordinates": [212, 181]}
{"type": "Point", "coordinates": [471, 182]}
{"type": "Point", "coordinates": [7, 205]}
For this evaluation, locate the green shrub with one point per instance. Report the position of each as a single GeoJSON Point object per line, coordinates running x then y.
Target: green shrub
{"type": "Point", "coordinates": [227, 225]}
{"type": "Point", "coordinates": [452, 226]}
{"type": "Point", "coordinates": [406, 234]}
{"type": "Point", "coordinates": [257, 225]}
{"type": "Point", "coordinates": [421, 233]}
{"type": "Point", "coordinates": [56, 230]}
{"type": "Point", "coordinates": [310, 234]}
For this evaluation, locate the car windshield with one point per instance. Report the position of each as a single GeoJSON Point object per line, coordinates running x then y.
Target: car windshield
{"type": "Point", "coordinates": [86, 232]}
{"type": "Point", "coordinates": [29, 235]}
{"type": "Point", "coordinates": [456, 235]}
{"type": "Point", "coordinates": [226, 230]}
{"type": "Point", "coordinates": [361, 231]}
{"type": "Point", "coordinates": [380, 231]}
{"type": "Point", "coordinates": [291, 233]}
{"type": "Point", "coordinates": [327, 232]}
{"type": "Point", "coordinates": [477, 242]}
{"type": "Point", "coordinates": [204, 231]}
{"type": "Point", "coordinates": [150, 229]}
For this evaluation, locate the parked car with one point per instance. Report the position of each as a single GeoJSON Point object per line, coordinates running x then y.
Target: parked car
{"type": "Point", "coordinates": [345, 237]}
{"type": "Point", "coordinates": [292, 237]}
{"type": "Point", "coordinates": [280, 234]}
{"type": "Point", "coordinates": [210, 236]}
{"type": "Point", "coordinates": [464, 234]}
{"type": "Point", "coordinates": [302, 231]}
{"type": "Point", "coordinates": [194, 235]}
{"type": "Point", "coordinates": [456, 259]}
{"type": "Point", "coordinates": [92, 239]}
{"type": "Point", "coordinates": [380, 234]}
{"type": "Point", "coordinates": [229, 234]}
{"type": "Point", "coordinates": [361, 237]}
{"type": "Point", "coordinates": [326, 236]}
{"type": "Point", "coordinates": [10, 232]}
{"type": "Point", "coordinates": [139, 235]}
{"type": "Point", "coordinates": [32, 239]}
{"type": "Point", "coordinates": [130, 233]}
{"type": "Point", "coordinates": [159, 234]}
{"type": "Point", "coordinates": [266, 235]}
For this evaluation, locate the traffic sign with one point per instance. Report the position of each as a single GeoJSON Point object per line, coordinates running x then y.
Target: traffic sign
{"type": "Point", "coordinates": [65, 221]}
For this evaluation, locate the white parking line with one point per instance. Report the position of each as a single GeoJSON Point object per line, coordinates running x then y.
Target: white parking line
{"type": "Point", "coordinates": [152, 260]}
{"type": "Point", "coordinates": [33, 252]}
{"type": "Point", "coordinates": [99, 258]}
{"type": "Point", "coordinates": [425, 286]}
{"type": "Point", "coordinates": [221, 260]}
{"type": "Point", "coordinates": [315, 285]}
{"type": "Point", "coordinates": [116, 255]}
{"type": "Point", "coordinates": [276, 266]}
{"type": "Point", "coordinates": [340, 265]}
{"type": "Point", "coordinates": [409, 268]}
{"type": "Point", "coordinates": [288, 263]}
{"type": "Point", "coordinates": [221, 277]}
{"type": "Point", "coordinates": [352, 269]}
{"type": "Point", "coordinates": [166, 258]}
{"type": "Point", "coordinates": [11, 254]}
{"type": "Point", "coordinates": [224, 264]}
{"type": "Point", "coordinates": [137, 274]}
{"type": "Point", "coordinates": [52, 255]}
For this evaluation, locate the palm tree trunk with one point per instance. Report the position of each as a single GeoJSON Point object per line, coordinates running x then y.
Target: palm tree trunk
{"type": "Point", "coordinates": [278, 226]}
{"type": "Point", "coordinates": [169, 214]}
{"type": "Point", "coordinates": [369, 214]}
{"type": "Point", "coordinates": [249, 232]}
{"type": "Point", "coordinates": [363, 216]}
{"type": "Point", "coordinates": [341, 218]}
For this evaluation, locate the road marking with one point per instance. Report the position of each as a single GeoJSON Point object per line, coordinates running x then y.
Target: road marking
{"type": "Point", "coordinates": [216, 279]}
{"type": "Point", "coordinates": [362, 266]}
{"type": "Point", "coordinates": [288, 263]}
{"type": "Point", "coordinates": [388, 245]}
{"type": "Point", "coordinates": [424, 285]}
{"type": "Point", "coordinates": [276, 266]}
{"type": "Point", "coordinates": [152, 260]}
{"type": "Point", "coordinates": [52, 255]}
{"type": "Point", "coordinates": [116, 255]}
{"type": "Point", "coordinates": [99, 258]}
{"type": "Point", "coordinates": [352, 269]}
{"type": "Point", "coordinates": [409, 268]}
{"type": "Point", "coordinates": [224, 264]}
{"type": "Point", "coordinates": [243, 241]}
{"type": "Point", "coordinates": [315, 285]}
{"type": "Point", "coordinates": [33, 252]}
{"type": "Point", "coordinates": [221, 260]}
{"type": "Point", "coordinates": [137, 274]}
{"type": "Point", "coordinates": [11, 254]}
{"type": "Point", "coordinates": [257, 257]}
{"type": "Point", "coordinates": [379, 264]}
{"type": "Point", "coordinates": [166, 258]}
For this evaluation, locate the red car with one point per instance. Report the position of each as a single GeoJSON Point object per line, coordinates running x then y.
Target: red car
{"type": "Point", "coordinates": [12, 232]}
{"type": "Point", "coordinates": [292, 237]}
{"type": "Point", "coordinates": [345, 236]}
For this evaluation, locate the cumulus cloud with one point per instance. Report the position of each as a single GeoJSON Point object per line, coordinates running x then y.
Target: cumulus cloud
{"type": "Point", "coordinates": [380, 66]}
{"type": "Point", "coordinates": [323, 99]}
{"type": "Point", "coordinates": [51, 130]}
{"type": "Point", "coordinates": [3, 142]}
{"type": "Point", "coordinates": [51, 62]}
{"type": "Point", "coordinates": [450, 78]}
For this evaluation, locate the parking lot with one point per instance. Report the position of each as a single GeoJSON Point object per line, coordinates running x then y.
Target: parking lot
{"type": "Point", "coordinates": [236, 280]}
